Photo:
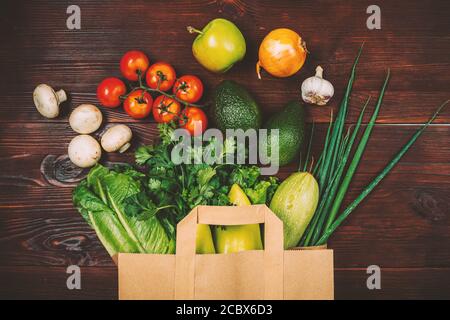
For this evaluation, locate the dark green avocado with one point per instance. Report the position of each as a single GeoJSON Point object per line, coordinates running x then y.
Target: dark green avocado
{"type": "Point", "coordinates": [234, 108]}
{"type": "Point", "coordinates": [291, 124]}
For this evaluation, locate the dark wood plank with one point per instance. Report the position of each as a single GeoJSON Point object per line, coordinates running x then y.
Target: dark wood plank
{"type": "Point", "coordinates": [49, 283]}
{"type": "Point", "coordinates": [403, 226]}
{"type": "Point", "coordinates": [396, 284]}
{"type": "Point", "coordinates": [34, 139]}
{"type": "Point", "coordinates": [40, 226]}
{"type": "Point", "coordinates": [48, 52]}
{"type": "Point", "coordinates": [398, 107]}
{"type": "Point", "coordinates": [21, 140]}
{"type": "Point", "coordinates": [101, 283]}
{"type": "Point", "coordinates": [23, 151]}
{"type": "Point", "coordinates": [49, 232]}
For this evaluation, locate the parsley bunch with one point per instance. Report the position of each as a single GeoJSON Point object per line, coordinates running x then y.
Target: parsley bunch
{"type": "Point", "coordinates": [182, 187]}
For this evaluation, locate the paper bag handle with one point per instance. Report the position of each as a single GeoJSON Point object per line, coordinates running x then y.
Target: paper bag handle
{"type": "Point", "coordinates": [222, 215]}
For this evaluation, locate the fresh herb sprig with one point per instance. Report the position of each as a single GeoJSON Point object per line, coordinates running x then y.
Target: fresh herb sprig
{"type": "Point", "coordinates": [187, 185]}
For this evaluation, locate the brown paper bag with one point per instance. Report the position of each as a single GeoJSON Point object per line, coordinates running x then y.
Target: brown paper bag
{"type": "Point", "coordinates": [272, 273]}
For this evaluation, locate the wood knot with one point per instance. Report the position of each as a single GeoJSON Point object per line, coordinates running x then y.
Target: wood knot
{"type": "Point", "coordinates": [72, 243]}
{"type": "Point", "coordinates": [432, 206]}
{"type": "Point", "coordinates": [61, 172]}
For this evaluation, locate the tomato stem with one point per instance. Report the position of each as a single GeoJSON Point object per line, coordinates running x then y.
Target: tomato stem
{"type": "Point", "coordinates": [139, 73]}
{"type": "Point", "coordinates": [151, 90]}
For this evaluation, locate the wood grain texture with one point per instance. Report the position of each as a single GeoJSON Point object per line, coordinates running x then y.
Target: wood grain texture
{"type": "Point", "coordinates": [101, 283]}
{"type": "Point", "coordinates": [333, 31]}
{"type": "Point", "coordinates": [50, 283]}
{"type": "Point", "coordinates": [404, 226]}
{"type": "Point", "coordinates": [55, 235]}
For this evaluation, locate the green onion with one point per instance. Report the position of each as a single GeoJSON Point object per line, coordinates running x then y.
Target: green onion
{"type": "Point", "coordinates": [378, 178]}
{"type": "Point", "coordinates": [328, 201]}
{"type": "Point", "coordinates": [331, 169]}
{"type": "Point", "coordinates": [308, 154]}
{"type": "Point", "coordinates": [322, 156]}
{"type": "Point", "coordinates": [356, 158]}
{"type": "Point", "coordinates": [322, 166]}
{"type": "Point", "coordinates": [329, 150]}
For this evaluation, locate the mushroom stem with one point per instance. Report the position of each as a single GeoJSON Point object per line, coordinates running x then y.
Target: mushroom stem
{"type": "Point", "coordinates": [61, 95]}
{"type": "Point", "coordinates": [124, 147]}
{"type": "Point", "coordinates": [319, 72]}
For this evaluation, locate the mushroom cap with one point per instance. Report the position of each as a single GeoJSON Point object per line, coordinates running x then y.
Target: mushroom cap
{"type": "Point", "coordinates": [46, 101]}
{"type": "Point", "coordinates": [85, 119]}
{"type": "Point", "coordinates": [116, 138]}
{"type": "Point", "coordinates": [84, 151]}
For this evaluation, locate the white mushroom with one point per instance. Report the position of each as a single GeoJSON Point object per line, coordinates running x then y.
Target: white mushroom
{"type": "Point", "coordinates": [117, 138]}
{"type": "Point", "coordinates": [47, 101]}
{"type": "Point", "coordinates": [85, 119]}
{"type": "Point", "coordinates": [84, 151]}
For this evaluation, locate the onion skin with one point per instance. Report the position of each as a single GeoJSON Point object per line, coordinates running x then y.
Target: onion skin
{"type": "Point", "coordinates": [282, 53]}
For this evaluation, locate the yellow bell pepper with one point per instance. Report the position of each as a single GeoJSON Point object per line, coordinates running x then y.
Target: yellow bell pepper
{"type": "Point", "coordinates": [230, 239]}
{"type": "Point", "coordinates": [204, 242]}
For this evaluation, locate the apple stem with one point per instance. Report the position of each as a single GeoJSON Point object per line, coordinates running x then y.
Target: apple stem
{"type": "Point", "coordinates": [193, 30]}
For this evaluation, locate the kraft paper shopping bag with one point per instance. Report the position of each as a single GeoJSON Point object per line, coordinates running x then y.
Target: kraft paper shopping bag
{"type": "Point", "coordinates": [272, 273]}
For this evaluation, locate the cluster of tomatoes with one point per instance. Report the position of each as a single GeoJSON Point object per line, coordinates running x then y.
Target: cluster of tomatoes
{"type": "Point", "coordinates": [160, 78]}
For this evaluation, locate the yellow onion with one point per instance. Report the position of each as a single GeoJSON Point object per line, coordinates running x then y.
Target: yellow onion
{"type": "Point", "coordinates": [282, 53]}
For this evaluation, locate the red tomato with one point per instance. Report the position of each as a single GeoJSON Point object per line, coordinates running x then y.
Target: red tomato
{"type": "Point", "coordinates": [165, 109]}
{"type": "Point", "coordinates": [188, 88]}
{"type": "Point", "coordinates": [161, 75]}
{"type": "Point", "coordinates": [193, 117]}
{"type": "Point", "coordinates": [109, 92]}
{"type": "Point", "coordinates": [131, 62]}
{"type": "Point", "coordinates": [138, 105]}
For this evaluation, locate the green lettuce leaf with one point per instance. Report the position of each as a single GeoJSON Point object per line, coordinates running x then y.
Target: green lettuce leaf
{"type": "Point", "coordinates": [103, 220]}
{"type": "Point", "coordinates": [123, 194]}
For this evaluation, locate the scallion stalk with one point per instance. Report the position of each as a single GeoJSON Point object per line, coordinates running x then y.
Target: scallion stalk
{"type": "Point", "coordinates": [323, 239]}
{"type": "Point", "coordinates": [330, 170]}
{"type": "Point", "coordinates": [356, 158]}
{"type": "Point", "coordinates": [330, 200]}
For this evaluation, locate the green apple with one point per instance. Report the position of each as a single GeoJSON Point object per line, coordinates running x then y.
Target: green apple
{"type": "Point", "coordinates": [219, 45]}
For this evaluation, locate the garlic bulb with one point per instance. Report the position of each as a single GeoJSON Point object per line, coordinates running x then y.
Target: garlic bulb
{"type": "Point", "coordinates": [317, 90]}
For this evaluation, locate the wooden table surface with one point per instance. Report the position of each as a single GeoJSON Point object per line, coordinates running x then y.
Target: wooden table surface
{"type": "Point", "coordinates": [403, 227]}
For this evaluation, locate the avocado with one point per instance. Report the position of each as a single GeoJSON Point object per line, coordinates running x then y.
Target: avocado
{"type": "Point", "coordinates": [234, 108]}
{"type": "Point", "coordinates": [291, 124]}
